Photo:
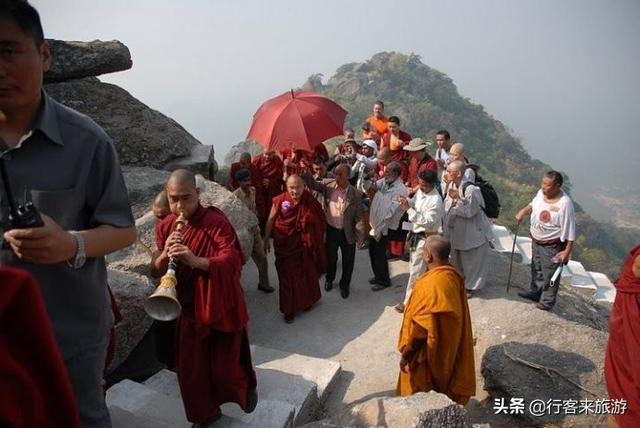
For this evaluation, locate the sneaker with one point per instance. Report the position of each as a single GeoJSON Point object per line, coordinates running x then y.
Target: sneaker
{"type": "Point", "coordinates": [373, 280]}
{"type": "Point", "coordinates": [328, 285]}
{"type": "Point", "coordinates": [379, 287]}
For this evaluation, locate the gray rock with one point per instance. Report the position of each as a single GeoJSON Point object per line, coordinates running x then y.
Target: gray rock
{"type": "Point", "coordinates": [420, 410]}
{"type": "Point", "coordinates": [73, 60]}
{"type": "Point", "coordinates": [143, 136]}
{"type": "Point", "coordinates": [577, 353]}
{"type": "Point", "coordinates": [233, 155]}
{"type": "Point", "coordinates": [201, 161]}
{"type": "Point", "coordinates": [130, 291]}
{"type": "Point", "coordinates": [143, 184]}
{"type": "Point", "coordinates": [137, 257]}
{"type": "Point", "coordinates": [241, 218]}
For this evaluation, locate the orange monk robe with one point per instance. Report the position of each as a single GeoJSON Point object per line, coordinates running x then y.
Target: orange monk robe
{"type": "Point", "coordinates": [438, 310]}
{"type": "Point", "coordinates": [381, 124]}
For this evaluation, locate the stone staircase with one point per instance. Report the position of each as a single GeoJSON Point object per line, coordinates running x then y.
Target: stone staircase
{"type": "Point", "coordinates": [291, 390]}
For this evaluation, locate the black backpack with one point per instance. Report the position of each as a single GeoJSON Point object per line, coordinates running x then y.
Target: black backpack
{"type": "Point", "coordinates": [491, 200]}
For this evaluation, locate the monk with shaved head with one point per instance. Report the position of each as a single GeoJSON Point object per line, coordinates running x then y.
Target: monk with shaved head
{"type": "Point", "coordinates": [436, 341]}
{"type": "Point", "coordinates": [297, 223]}
{"type": "Point", "coordinates": [213, 359]}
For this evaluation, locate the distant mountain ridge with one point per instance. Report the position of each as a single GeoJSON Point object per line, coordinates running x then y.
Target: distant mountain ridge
{"type": "Point", "coordinates": [426, 100]}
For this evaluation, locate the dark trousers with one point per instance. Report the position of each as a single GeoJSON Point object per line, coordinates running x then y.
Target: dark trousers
{"type": "Point", "coordinates": [378, 258]}
{"type": "Point", "coordinates": [542, 269]}
{"type": "Point", "coordinates": [335, 240]}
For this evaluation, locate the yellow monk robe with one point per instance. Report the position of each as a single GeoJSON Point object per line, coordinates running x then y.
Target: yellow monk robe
{"type": "Point", "coordinates": [438, 310]}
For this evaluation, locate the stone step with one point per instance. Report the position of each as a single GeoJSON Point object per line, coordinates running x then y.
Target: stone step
{"type": "Point", "coordinates": [324, 373]}
{"type": "Point", "coordinates": [291, 388]}
{"type": "Point", "coordinates": [269, 412]}
{"type": "Point", "coordinates": [132, 404]}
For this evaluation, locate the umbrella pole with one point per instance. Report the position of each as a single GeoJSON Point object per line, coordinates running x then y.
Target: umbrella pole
{"type": "Point", "coordinates": [513, 250]}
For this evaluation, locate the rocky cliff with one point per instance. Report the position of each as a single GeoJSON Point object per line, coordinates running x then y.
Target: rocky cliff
{"type": "Point", "coordinates": [149, 145]}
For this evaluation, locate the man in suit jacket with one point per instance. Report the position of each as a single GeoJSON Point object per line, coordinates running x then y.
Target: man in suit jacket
{"type": "Point", "coordinates": [467, 227]}
{"type": "Point", "coordinates": [343, 207]}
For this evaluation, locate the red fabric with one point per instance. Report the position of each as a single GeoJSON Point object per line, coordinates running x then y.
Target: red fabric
{"type": "Point", "coordinates": [298, 242]}
{"type": "Point", "coordinates": [416, 167]}
{"type": "Point", "coordinates": [300, 120]}
{"type": "Point", "coordinates": [35, 389]}
{"type": "Point", "coordinates": [256, 179]}
{"type": "Point", "coordinates": [212, 361]}
{"type": "Point", "coordinates": [271, 170]}
{"type": "Point", "coordinates": [396, 248]}
{"type": "Point", "coordinates": [622, 361]}
{"type": "Point", "coordinates": [400, 154]}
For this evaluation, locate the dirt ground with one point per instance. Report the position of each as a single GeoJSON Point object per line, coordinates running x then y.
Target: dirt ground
{"type": "Point", "coordinates": [361, 332]}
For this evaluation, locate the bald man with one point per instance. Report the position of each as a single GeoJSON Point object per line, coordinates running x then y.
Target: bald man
{"type": "Point", "coordinates": [297, 223]}
{"type": "Point", "coordinates": [467, 227]}
{"type": "Point", "coordinates": [161, 205]}
{"type": "Point", "coordinates": [429, 359]}
{"type": "Point", "coordinates": [456, 153]}
{"type": "Point", "coordinates": [213, 359]}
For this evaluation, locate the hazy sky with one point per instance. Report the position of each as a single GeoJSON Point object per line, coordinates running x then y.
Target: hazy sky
{"type": "Point", "coordinates": [563, 75]}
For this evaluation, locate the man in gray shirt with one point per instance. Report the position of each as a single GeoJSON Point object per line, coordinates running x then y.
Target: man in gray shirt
{"type": "Point", "coordinates": [67, 166]}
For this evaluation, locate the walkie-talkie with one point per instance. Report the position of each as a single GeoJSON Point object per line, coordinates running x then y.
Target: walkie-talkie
{"type": "Point", "coordinates": [21, 216]}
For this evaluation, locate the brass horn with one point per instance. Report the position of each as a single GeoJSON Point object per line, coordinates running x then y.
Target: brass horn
{"type": "Point", "coordinates": [163, 304]}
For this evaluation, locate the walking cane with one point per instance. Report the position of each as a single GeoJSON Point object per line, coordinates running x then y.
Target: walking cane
{"type": "Point", "coordinates": [513, 250]}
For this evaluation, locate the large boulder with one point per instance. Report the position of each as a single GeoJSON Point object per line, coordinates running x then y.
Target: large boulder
{"type": "Point", "coordinates": [242, 219]}
{"type": "Point", "coordinates": [130, 291]}
{"type": "Point", "coordinates": [233, 155]}
{"type": "Point", "coordinates": [143, 136]}
{"type": "Point", "coordinates": [73, 60]}
{"type": "Point", "coordinates": [143, 184]}
{"type": "Point", "coordinates": [420, 410]}
{"type": "Point", "coordinates": [201, 161]}
{"type": "Point", "coordinates": [511, 335]}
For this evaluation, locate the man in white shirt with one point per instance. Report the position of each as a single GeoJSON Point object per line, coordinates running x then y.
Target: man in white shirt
{"type": "Point", "coordinates": [385, 214]}
{"type": "Point", "coordinates": [467, 227]}
{"type": "Point", "coordinates": [553, 232]}
{"type": "Point", "coordinates": [443, 140]}
{"type": "Point", "coordinates": [425, 211]}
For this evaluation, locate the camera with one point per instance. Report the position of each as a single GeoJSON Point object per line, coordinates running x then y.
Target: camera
{"type": "Point", "coordinates": [21, 216]}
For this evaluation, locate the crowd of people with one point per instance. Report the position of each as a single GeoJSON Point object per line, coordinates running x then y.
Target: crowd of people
{"type": "Point", "coordinates": [394, 195]}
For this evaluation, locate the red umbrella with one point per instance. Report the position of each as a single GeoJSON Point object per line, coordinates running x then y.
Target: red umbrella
{"type": "Point", "coordinates": [296, 120]}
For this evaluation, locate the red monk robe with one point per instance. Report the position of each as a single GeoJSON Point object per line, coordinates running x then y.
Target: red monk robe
{"type": "Point", "coordinates": [213, 359]}
{"type": "Point", "coordinates": [271, 169]}
{"type": "Point", "coordinates": [35, 390]}
{"type": "Point", "coordinates": [622, 361]}
{"type": "Point", "coordinates": [416, 167]}
{"type": "Point", "coordinates": [298, 242]}
{"type": "Point", "coordinates": [397, 153]}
